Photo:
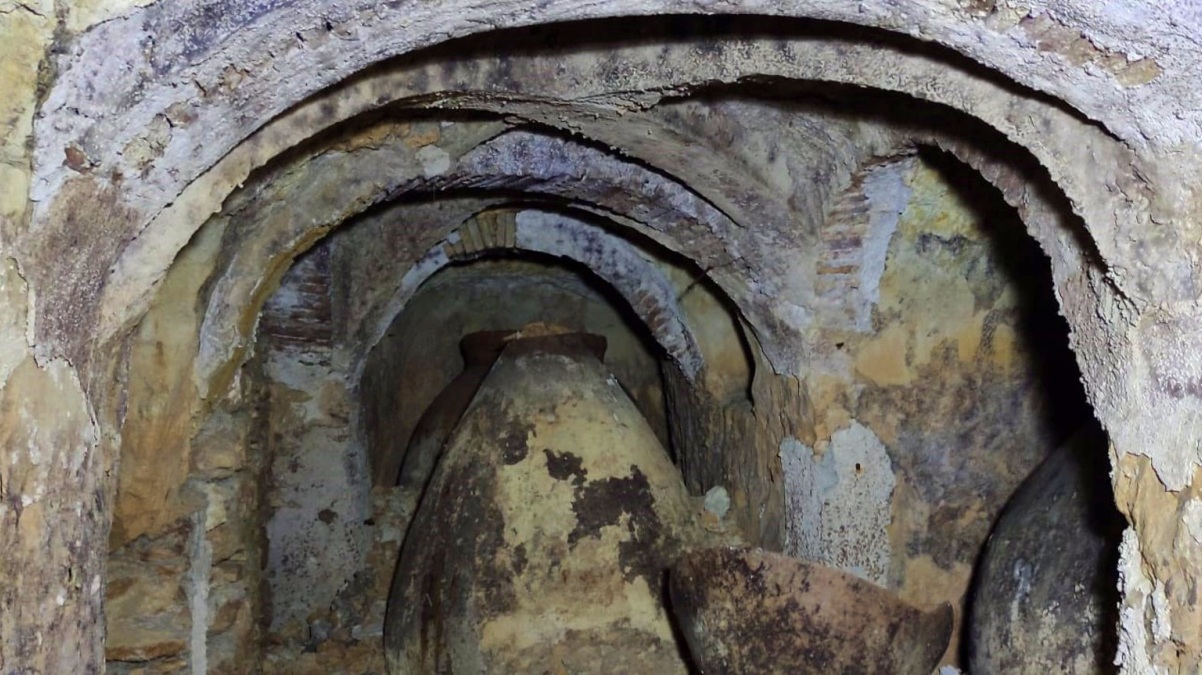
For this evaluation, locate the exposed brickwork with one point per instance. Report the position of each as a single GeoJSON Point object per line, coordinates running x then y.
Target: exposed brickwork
{"type": "Point", "coordinates": [300, 313]}
{"type": "Point", "coordinates": [842, 236]}
{"type": "Point", "coordinates": [491, 230]}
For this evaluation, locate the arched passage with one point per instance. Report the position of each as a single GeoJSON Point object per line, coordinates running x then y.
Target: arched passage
{"type": "Point", "coordinates": [107, 141]}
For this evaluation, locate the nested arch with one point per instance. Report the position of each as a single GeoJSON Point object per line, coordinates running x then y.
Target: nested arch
{"type": "Point", "coordinates": [198, 138]}
{"type": "Point", "coordinates": [626, 161]}
{"type": "Point", "coordinates": [285, 224]}
{"type": "Point", "coordinates": [281, 215]}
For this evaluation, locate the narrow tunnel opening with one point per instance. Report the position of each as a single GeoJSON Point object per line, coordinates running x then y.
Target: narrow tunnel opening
{"type": "Point", "coordinates": [494, 298]}
{"type": "Point", "coordinates": [1061, 521]}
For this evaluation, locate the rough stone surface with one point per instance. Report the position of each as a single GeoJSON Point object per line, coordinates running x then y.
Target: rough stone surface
{"type": "Point", "coordinates": [148, 616]}
{"type": "Point", "coordinates": [320, 488]}
{"type": "Point", "coordinates": [349, 634]}
{"type": "Point", "coordinates": [52, 515]}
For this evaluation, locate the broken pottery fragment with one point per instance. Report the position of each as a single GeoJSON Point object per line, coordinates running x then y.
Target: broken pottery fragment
{"type": "Point", "coordinates": [541, 542]}
{"type": "Point", "coordinates": [752, 611]}
{"type": "Point", "coordinates": [1046, 597]}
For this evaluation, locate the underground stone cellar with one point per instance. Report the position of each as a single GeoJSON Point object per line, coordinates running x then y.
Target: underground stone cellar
{"type": "Point", "coordinates": [348, 337]}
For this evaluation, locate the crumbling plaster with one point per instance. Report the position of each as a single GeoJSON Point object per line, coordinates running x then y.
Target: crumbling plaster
{"type": "Point", "coordinates": [349, 175]}
{"type": "Point", "coordinates": [1134, 194]}
{"type": "Point", "coordinates": [539, 164]}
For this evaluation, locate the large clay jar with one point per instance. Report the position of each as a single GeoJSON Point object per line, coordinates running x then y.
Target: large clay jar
{"type": "Point", "coordinates": [480, 351]}
{"type": "Point", "coordinates": [1044, 598]}
{"type": "Point", "coordinates": [542, 540]}
{"type": "Point", "coordinates": [751, 611]}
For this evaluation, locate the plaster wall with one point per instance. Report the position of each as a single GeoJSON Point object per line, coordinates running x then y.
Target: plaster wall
{"type": "Point", "coordinates": [318, 489]}
{"type": "Point", "coordinates": [189, 596]}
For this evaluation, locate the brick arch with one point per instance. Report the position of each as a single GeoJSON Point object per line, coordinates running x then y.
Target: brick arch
{"type": "Point", "coordinates": [860, 219]}
{"type": "Point", "coordinates": [852, 242]}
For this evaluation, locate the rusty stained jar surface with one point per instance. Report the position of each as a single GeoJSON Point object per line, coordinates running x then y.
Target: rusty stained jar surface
{"type": "Point", "coordinates": [543, 539]}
